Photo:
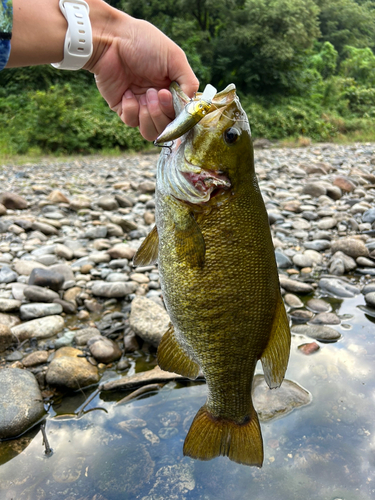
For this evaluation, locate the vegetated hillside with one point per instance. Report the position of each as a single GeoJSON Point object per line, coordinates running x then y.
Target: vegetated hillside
{"type": "Point", "coordinates": [302, 68]}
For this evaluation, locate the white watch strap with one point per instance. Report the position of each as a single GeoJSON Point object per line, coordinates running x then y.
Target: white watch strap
{"type": "Point", "coordinates": [78, 40]}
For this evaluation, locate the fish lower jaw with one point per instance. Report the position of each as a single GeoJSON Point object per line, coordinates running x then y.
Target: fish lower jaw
{"type": "Point", "coordinates": [206, 182]}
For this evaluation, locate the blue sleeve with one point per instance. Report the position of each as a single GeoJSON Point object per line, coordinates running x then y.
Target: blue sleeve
{"type": "Point", "coordinates": [6, 22]}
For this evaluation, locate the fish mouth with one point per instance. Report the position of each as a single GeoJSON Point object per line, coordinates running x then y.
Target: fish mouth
{"type": "Point", "coordinates": [208, 183]}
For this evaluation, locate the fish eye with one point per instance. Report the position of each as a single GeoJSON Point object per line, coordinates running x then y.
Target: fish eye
{"type": "Point", "coordinates": [231, 135]}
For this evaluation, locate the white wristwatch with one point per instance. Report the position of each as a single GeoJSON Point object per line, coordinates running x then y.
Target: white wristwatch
{"type": "Point", "coordinates": [78, 40]}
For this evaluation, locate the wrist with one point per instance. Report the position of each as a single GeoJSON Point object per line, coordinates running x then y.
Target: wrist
{"type": "Point", "coordinates": [104, 22]}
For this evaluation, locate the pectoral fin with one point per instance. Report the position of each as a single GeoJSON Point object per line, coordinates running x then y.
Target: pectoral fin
{"type": "Point", "coordinates": [172, 357]}
{"type": "Point", "coordinates": [190, 245]}
{"type": "Point", "coordinates": [147, 253]}
{"type": "Point", "coordinates": [276, 355]}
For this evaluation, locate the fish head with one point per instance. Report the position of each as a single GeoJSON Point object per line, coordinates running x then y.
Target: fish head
{"type": "Point", "coordinates": [212, 159]}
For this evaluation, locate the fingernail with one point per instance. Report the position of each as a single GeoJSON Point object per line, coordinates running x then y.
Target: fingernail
{"type": "Point", "coordinates": [143, 100]}
{"type": "Point", "coordinates": [152, 95]}
{"type": "Point", "coordinates": [165, 99]}
{"type": "Point", "coordinates": [129, 94]}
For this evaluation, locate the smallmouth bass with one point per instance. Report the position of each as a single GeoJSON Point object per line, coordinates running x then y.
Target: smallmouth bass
{"type": "Point", "coordinates": [218, 276]}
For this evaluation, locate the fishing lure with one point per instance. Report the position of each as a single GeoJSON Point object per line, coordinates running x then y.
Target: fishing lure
{"type": "Point", "coordinates": [193, 112]}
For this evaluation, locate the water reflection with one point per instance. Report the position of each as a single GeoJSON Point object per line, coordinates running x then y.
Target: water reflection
{"type": "Point", "coordinates": [325, 450]}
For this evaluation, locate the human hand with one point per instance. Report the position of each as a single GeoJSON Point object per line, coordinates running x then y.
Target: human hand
{"type": "Point", "coordinates": [134, 64]}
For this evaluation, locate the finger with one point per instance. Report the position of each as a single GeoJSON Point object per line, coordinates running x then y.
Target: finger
{"type": "Point", "coordinates": [182, 73]}
{"type": "Point", "coordinates": [159, 118]}
{"type": "Point", "coordinates": [166, 103]}
{"type": "Point", "coordinates": [130, 109]}
{"type": "Point", "coordinates": [146, 124]}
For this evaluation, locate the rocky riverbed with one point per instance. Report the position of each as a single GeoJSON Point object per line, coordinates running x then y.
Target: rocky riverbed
{"type": "Point", "coordinates": [73, 309]}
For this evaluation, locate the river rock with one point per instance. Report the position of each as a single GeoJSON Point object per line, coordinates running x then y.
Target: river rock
{"type": "Point", "coordinates": [64, 251]}
{"type": "Point", "coordinates": [67, 371]}
{"type": "Point", "coordinates": [40, 328]}
{"type": "Point", "coordinates": [318, 245]}
{"type": "Point", "coordinates": [25, 267]}
{"type": "Point", "coordinates": [294, 286]}
{"type": "Point", "coordinates": [21, 402]}
{"type": "Point", "coordinates": [369, 216]}
{"type": "Point", "coordinates": [107, 203]}
{"type": "Point", "coordinates": [85, 334]}
{"type": "Point", "coordinates": [121, 251]}
{"type": "Point", "coordinates": [3, 210]}
{"type": "Point", "coordinates": [113, 290]}
{"type": "Point", "coordinates": [35, 293]}
{"type": "Point", "coordinates": [344, 184]}
{"type": "Point", "coordinates": [35, 358]}
{"type": "Point", "coordinates": [292, 300]}
{"type": "Point", "coordinates": [9, 320]}
{"type": "Point", "coordinates": [274, 403]}
{"type": "Point", "coordinates": [9, 305]}
{"type": "Point", "coordinates": [370, 299]}
{"type": "Point", "coordinates": [7, 275]}
{"type": "Point", "coordinates": [350, 246]}
{"type": "Point", "coordinates": [318, 332]}
{"type": "Point", "coordinates": [148, 320]}
{"type": "Point", "coordinates": [309, 348]}
{"type": "Point", "coordinates": [48, 278]}
{"type": "Point", "coordinates": [13, 201]}
{"type": "Point", "coordinates": [57, 196]}
{"type": "Point", "coordinates": [80, 202]}
{"type": "Point", "coordinates": [302, 260]}
{"type": "Point", "coordinates": [314, 189]}
{"type": "Point", "coordinates": [338, 288]}
{"type": "Point", "coordinates": [64, 270]}
{"type": "Point", "coordinates": [39, 310]}
{"type": "Point", "coordinates": [318, 305]}
{"type": "Point", "coordinates": [6, 337]}
{"type": "Point", "coordinates": [325, 318]}
{"type": "Point", "coordinates": [104, 350]}
{"type": "Point", "coordinates": [282, 260]}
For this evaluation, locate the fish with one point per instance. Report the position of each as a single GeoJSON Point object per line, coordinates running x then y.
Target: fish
{"type": "Point", "coordinates": [218, 277]}
{"type": "Point", "coordinates": [192, 113]}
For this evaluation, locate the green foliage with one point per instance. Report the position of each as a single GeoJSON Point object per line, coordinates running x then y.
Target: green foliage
{"type": "Point", "coordinates": [61, 120]}
{"type": "Point", "coordinates": [301, 67]}
{"type": "Point", "coordinates": [325, 62]}
{"type": "Point", "coordinates": [347, 22]}
{"type": "Point", "coordinates": [360, 65]}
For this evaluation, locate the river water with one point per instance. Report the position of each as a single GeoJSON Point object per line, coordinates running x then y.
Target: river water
{"type": "Point", "coordinates": [325, 450]}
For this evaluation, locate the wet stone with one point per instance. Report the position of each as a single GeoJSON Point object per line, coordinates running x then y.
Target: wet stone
{"type": "Point", "coordinates": [104, 350]}
{"type": "Point", "coordinates": [40, 328]}
{"type": "Point", "coordinates": [309, 348]}
{"type": "Point", "coordinates": [21, 403]}
{"type": "Point", "coordinates": [292, 300]}
{"type": "Point", "coordinates": [35, 358]}
{"type": "Point", "coordinates": [148, 320]}
{"type": "Point", "coordinates": [321, 333]}
{"type": "Point", "coordinates": [282, 260]}
{"type": "Point", "coordinates": [294, 286]}
{"type": "Point", "coordinates": [82, 336]}
{"type": "Point", "coordinates": [113, 290]}
{"type": "Point", "coordinates": [370, 299]}
{"type": "Point", "coordinates": [274, 403]}
{"type": "Point", "coordinates": [325, 318]}
{"type": "Point", "coordinates": [70, 372]}
{"type": "Point", "coordinates": [338, 287]}
{"type": "Point", "coordinates": [318, 305]}
{"type": "Point", "coordinates": [13, 201]}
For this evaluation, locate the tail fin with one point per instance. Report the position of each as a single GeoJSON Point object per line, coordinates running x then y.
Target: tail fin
{"type": "Point", "coordinates": [209, 437]}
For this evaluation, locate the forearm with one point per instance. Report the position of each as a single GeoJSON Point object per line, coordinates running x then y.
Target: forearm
{"type": "Point", "coordinates": [39, 30]}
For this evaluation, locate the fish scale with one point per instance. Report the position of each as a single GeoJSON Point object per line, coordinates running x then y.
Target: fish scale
{"type": "Point", "coordinates": [219, 278]}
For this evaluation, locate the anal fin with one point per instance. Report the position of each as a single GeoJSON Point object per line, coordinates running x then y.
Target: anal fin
{"type": "Point", "coordinates": [172, 357]}
{"type": "Point", "coordinates": [275, 357]}
{"type": "Point", "coordinates": [147, 253]}
{"type": "Point", "coordinates": [211, 436]}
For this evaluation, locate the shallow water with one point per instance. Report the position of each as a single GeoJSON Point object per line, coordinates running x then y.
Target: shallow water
{"type": "Point", "coordinates": [325, 450]}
